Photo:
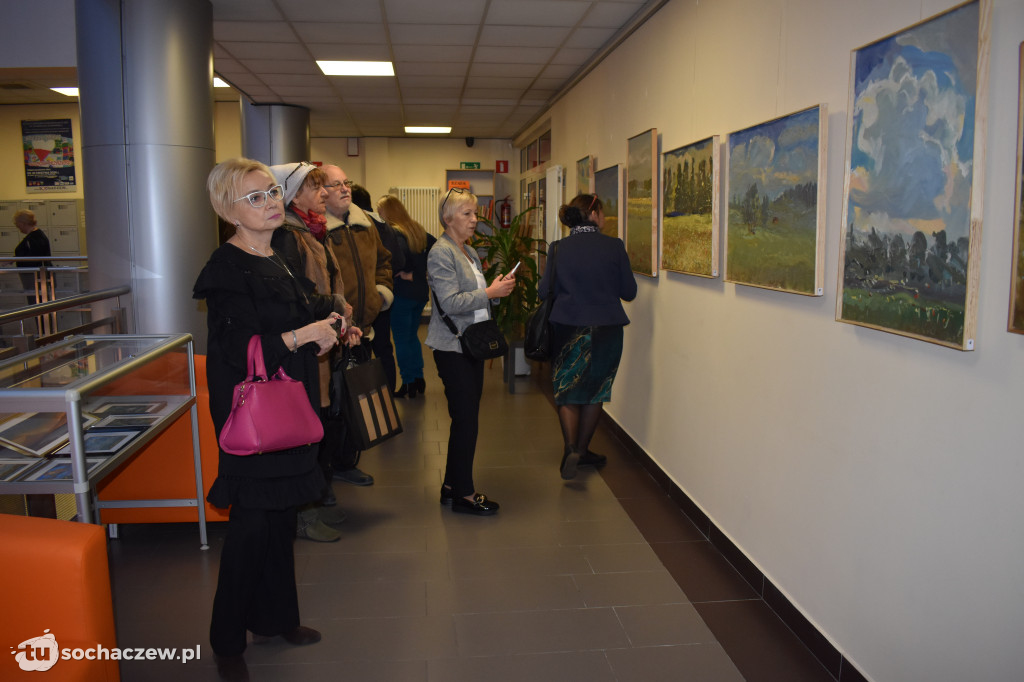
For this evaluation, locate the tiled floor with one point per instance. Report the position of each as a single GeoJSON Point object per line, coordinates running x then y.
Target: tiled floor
{"type": "Point", "coordinates": [600, 579]}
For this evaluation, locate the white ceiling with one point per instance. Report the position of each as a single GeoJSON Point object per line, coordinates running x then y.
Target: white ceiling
{"type": "Point", "coordinates": [485, 67]}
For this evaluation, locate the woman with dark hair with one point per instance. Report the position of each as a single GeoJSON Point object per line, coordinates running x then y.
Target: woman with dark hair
{"type": "Point", "coordinates": [411, 293]}
{"type": "Point", "coordinates": [592, 278]}
{"type": "Point", "coordinates": [249, 289]}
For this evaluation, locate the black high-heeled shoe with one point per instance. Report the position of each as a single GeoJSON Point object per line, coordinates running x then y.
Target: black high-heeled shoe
{"type": "Point", "coordinates": [446, 495]}
{"type": "Point", "coordinates": [421, 385]}
{"type": "Point", "coordinates": [400, 393]}
{"type": "Point", "coordinates": [412, 389]}
{"type": "Point", "coordinates": [570, 460]}
{"type": "Point", "coordinates": [479, 506]}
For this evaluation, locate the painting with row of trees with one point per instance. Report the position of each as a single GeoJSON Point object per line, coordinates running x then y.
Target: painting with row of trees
{"type": "Point", "coordinates": [689, 209]}
{"type": "Point", "coordinates": [775, 220]}
{"type": "Point", "coordinates": [912, 215]}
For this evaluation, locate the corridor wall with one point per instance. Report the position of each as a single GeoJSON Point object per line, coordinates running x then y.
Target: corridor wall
{"type": "Point", "coordinates": [873, 478]}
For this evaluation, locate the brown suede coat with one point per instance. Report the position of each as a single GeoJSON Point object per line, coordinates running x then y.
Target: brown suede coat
{"type": "Point", "coordinates": [364, 262]}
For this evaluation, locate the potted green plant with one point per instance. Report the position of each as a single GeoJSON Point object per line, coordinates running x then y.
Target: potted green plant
{"type": "Point", "coordinates": [502, 249]}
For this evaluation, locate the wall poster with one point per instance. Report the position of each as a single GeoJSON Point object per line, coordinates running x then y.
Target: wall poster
{"type": "Point", "coordinates": [914, 179]}
{"type": "Point", "coordinates": [585, 175]}
{"type": "Point", "coordinates": [642, 203]}
{"type": "Point", "coordinates": [49, 155]}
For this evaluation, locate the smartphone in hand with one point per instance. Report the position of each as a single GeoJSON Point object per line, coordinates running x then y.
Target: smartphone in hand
{"type": "Point", "coordinates": [513, 270]}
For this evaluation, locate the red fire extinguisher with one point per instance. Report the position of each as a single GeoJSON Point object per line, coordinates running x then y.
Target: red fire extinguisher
{"type": "Point", "coordinates": [506, 213]}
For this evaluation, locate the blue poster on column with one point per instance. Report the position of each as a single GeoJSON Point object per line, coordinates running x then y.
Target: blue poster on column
{"type": "Point", "coordinates": [49, 155]}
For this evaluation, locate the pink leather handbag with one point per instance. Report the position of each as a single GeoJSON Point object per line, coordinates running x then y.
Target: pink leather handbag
{"type": "Point", "coordinates": [268, 415]}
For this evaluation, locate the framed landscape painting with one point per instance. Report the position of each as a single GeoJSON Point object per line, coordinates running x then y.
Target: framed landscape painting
{"type": "Point", "coordinates": [689, 209]}
{"type": "Point", "coordinates": [1016, 323]}
{"type": "Point", "coordinates": [910, 250]}
{"type": "Point", "coordinates": [775, 221]}
{"type": "Point", "coordinates": [585, 175]}
{"type": "Point", "coordinates": [606, 186]}
{"type": "Point", "coordinates": [642, 203]}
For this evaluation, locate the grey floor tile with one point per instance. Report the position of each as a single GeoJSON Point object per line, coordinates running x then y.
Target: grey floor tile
{"type": "Point", "coordinates": [591, 666]}
{"type": "Point", "coordinates": [664, 625]}
{"type": "Point", "coordinates": [703, 662]}
{"type": "Point", "coordinates": [503, 594]}
{"type": "Point", "coordinates": [629, 589]}
{"type": "Point", "coordinates": [471, 562]}
{"type": "Point", "coordinates": [535, 632]}
{"type": "Point", "coordinates": [619, 558]}
{"type": "Point", "coordinates": [384, 599]}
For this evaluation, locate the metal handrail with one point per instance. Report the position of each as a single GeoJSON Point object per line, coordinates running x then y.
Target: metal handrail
{"type": "Point", "coordinates": [27, 312]}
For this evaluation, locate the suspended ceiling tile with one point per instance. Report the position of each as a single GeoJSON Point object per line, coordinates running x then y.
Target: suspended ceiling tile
{"type": "Point", "coordinates": [435, 34]}
{"type": "Point", "coordinates": [476, 101]}
{"type": "Point", "coordinates": [507, 83]}
{"type": "Point", "coordinates": [507, 95]}
{"type": "Point", "coordinates": [523, 36]}
{"type": "Point", "coordinates": [571, 55]}
{"type": "Point", "coordinates": [334, 32]}
{"type": "Point", "coordinates": [435, 11]}
{"type": "Point", "coordinates": [226, 64]}
{"type": "Point", "coordinates": [261, 66]}
{"type": "Point", "coordinates": [514, 55]}
{"type": "Point", "coordinates": [426, 83]}
{"type": "Point", "coordinates": [611, 14]}
{"type": "Point", "coordinates": [428, 69]}
{"type": "Point", "coordinates": [591, 38]}
{"type": "Point", "coordinates": [241, 10]}
{"type": "Point", "coordinates": [289, 79]}
{"type": "Point", "coordinates": [261, 31]}
{"type": "Point", "coordinates": [536, 12]}
{"type": "Point", "coordinates": [356, 11]}
{"type": "Point", "coordinates": [378, 52]}
{"type": "Point", "coordinates": [503, 70]}
{"type": "Point", "coordinates": [559, 72]}
{"type": "Point", "coordinates": [439, 95]}
{"type": "Point", "coordinates": [256, 50]}
{"type": "Point", "coordinates": [433, 53]}
{"type": "Point", "coordinates": [291, 90]}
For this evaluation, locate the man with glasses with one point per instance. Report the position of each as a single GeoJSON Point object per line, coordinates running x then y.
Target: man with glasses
{"type": "Point", "coordinates": [365, 266]}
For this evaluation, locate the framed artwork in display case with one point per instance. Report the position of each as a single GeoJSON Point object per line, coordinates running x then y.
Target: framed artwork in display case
{"type": "Point", "coordinates": [60, 469]}
{"type": "Point", "coordinates": [123, 406]}
{"type": "Point", "coordinates": [129, 421]}
{"type": "Point", "coordinates": [104, 442]}
{"type": "Point", "coordinates": [641, 203]}
{"type": "Point", "coordinates": [775, 186]}
{"type": "Point", "coordinates": [13, 469]}
{"type": "Point", "coordinates": [910, 253]}
{"type": "Point", "coordinates": [606, 186]}
{"type": "Point", "coordinates": [37, 433]}
{"type": "Point", "coordinates": [689, 208]}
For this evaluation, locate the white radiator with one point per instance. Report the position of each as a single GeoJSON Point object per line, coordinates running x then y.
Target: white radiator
{"type": "Point", "coordinates": [421, 203]}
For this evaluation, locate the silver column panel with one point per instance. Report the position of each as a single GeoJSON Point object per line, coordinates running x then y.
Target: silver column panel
{"type": "Point", "coordinates": [145, 74]}
{"type": "Point", "coordinates": [275, 133]}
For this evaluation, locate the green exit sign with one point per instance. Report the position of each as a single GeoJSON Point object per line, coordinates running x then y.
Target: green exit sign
{"type": "Point", "coordinates": [469, 165]}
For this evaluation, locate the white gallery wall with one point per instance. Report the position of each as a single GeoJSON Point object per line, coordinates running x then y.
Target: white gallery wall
{"type": "Point", "coordinates": [875, 479]}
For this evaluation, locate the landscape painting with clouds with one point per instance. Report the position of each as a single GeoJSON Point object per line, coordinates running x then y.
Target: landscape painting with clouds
{"type": "Point", "coordinates": [909, 239]}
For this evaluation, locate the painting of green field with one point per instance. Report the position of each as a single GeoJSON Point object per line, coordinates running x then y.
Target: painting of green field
{"type": "Point", "coordinates": [689, 217]}
{"type": "Point", "coordinates": [776, 218]}
{"type": "Point", "coordinates": [908, 311]}
{"type": "Point", "coordinates": [642, 203]}
{"type": "Point", "coordinates": [1016, 323]}
{"type": "Point", "coordinates": [606, 186]}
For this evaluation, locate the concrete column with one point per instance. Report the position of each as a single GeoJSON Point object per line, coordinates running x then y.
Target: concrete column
{"type": "Point", "coordinates": [275, 133]}
{"type": "Point", "coordinates": [145, 70]}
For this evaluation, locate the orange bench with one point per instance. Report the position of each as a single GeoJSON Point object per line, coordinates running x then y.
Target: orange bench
{"type": "Point", "coordinates": [57, 584]}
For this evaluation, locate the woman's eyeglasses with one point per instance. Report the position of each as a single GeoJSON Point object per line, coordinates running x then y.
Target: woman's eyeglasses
{"type": "Point", "coordinates": [457, 190]}
{"type": "Point", "coordinates": [258, 199]}
{"type": "Point", "coordinates": [592, 202]}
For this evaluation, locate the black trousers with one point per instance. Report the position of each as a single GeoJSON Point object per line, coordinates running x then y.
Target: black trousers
{"type": "Point", "coordinates": [256, 584]}
{"type": "Point", "coordinates": [382, 348]}
{"type": "Point", "coordinates": [463, 379]}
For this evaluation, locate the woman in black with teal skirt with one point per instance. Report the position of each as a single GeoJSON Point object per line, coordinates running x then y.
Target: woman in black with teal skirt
{"type": "Point", "coordinates": [592, 278]}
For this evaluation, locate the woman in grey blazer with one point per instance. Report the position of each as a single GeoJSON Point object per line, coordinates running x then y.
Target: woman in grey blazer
{"type": "Point", "coordinates": [455, 275]}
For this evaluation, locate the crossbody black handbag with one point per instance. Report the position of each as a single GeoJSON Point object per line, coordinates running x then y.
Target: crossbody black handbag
{"type": "Point", "coordinates": [537, 341]}
{"type": "Point", "coordinates": [480, 340]}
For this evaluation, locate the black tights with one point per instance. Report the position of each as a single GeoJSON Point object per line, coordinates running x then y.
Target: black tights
{"type": "Point", "coordinates": [578, 424]}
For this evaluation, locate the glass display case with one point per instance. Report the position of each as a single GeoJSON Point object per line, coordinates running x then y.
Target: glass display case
{"type": "Point", "coordinates": [72, 412]}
